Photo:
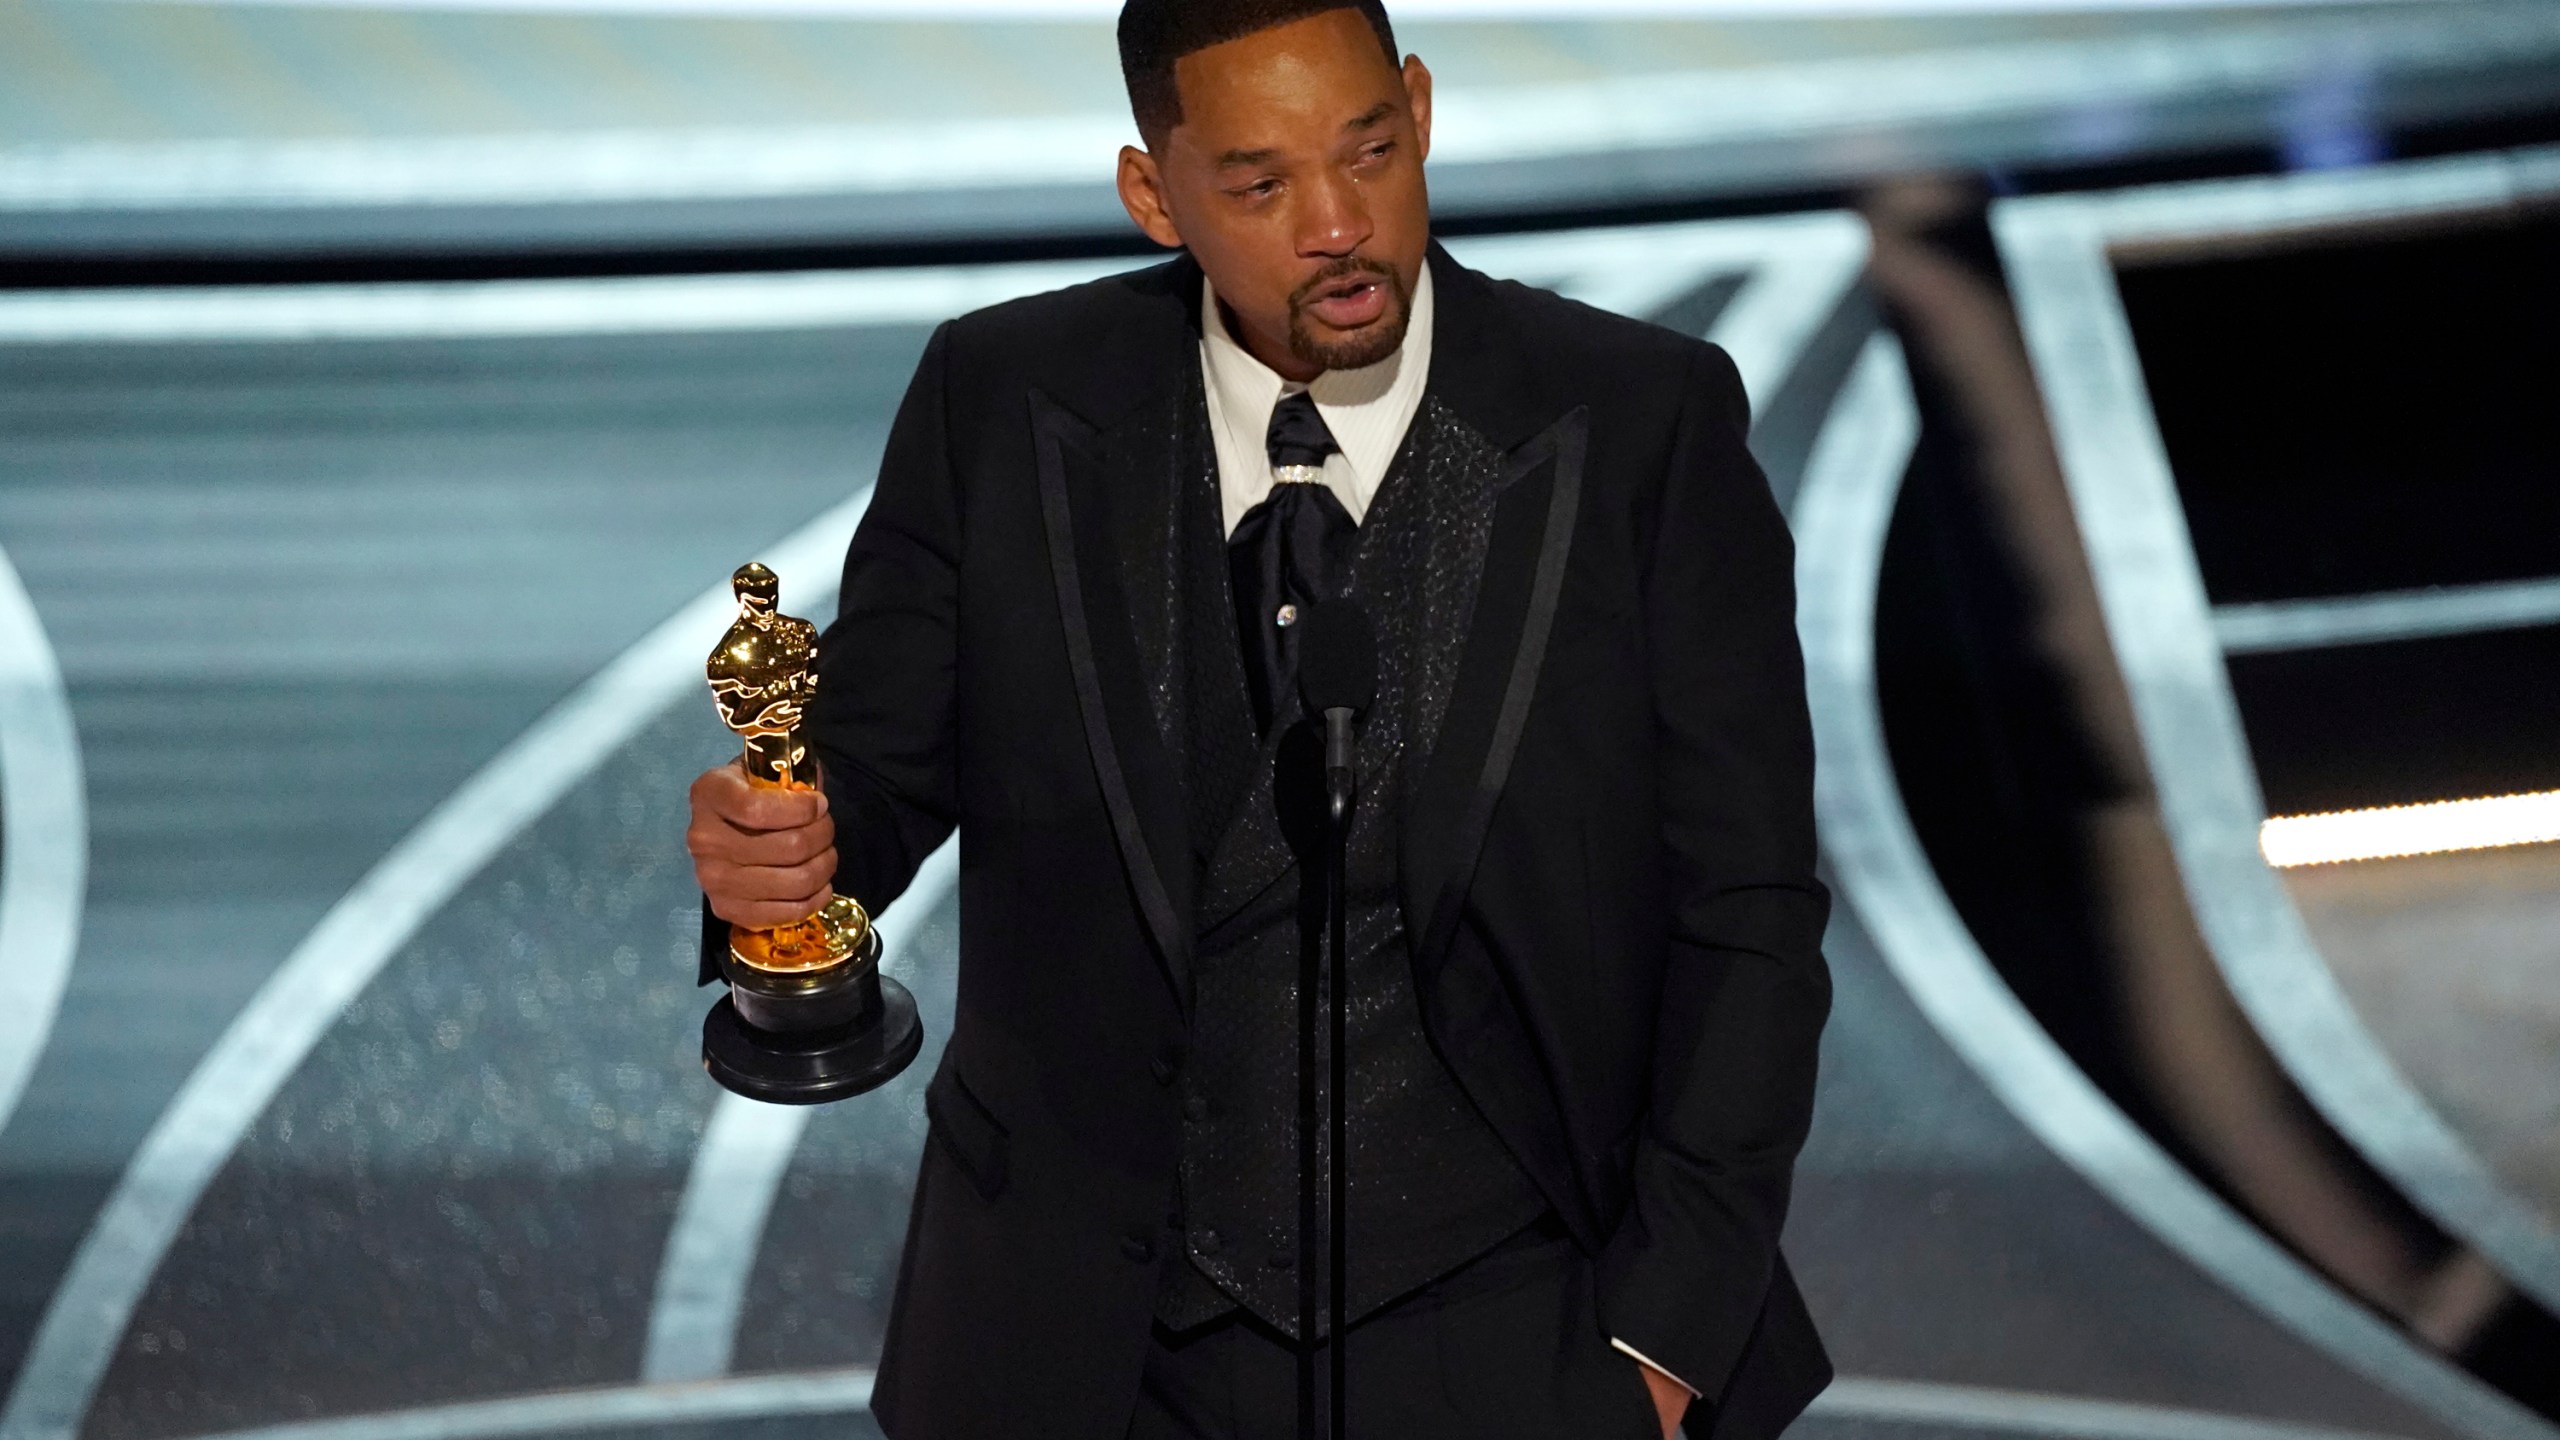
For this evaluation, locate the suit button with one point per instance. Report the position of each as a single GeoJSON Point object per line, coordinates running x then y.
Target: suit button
{"type": "Point", "coordinates": [1166, 1065]}
{"type": "Point", "coordinates": [1139, 1246]}
{"type": "Point", "coordinates": [1281, 1260]}
{"type": "Point", "coordinates": [1196, 1108]}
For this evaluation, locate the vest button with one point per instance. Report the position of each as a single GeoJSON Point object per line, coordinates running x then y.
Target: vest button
{"type": "Point", "coordinates": [1139, 1246]}
{"type": "Point", "coordinates": [1207, 1241]}
{"type": "Point", "coordinates": [1281, 1260]}
{"type": "Point", "coordinates": [1196, 1108]}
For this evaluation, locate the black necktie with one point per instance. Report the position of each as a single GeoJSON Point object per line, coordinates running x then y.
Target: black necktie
{"type": "Point", "coordinates": [1286, 553]}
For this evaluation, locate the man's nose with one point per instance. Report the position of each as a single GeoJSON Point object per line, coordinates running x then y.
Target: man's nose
{"type": "Point", "coordinates": [1335, 220]}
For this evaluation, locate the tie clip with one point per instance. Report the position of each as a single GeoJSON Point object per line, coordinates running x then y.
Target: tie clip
{"type": "Point", "coordinates": [1297, 474]}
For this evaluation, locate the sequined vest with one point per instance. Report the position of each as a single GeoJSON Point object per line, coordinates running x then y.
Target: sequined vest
{"type": "Point", "coordinates": [1431, 1184]}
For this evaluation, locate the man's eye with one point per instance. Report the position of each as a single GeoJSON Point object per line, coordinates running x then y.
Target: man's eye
{"type": "Point", "coordinates": [1377, 152]}
{"type": "Point", "coordinates": [1258, 190]}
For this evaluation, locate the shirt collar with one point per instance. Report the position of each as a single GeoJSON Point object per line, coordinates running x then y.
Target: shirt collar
{"type": "Point", "coordinates": [1367, 409]}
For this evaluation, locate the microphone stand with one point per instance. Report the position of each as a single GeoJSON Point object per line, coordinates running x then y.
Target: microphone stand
{"type": "Point", "coordinates": [1339, 792]}
{"type": "Point", "coordinates": [1339, 788]}
{"type": "Point", "coordinates": [1337, 680]}
{"type": "Point", "coordinates": [1309, 975]}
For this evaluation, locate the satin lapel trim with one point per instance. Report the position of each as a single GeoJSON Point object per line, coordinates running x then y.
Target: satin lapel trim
{"type": "Point", "coordinates": [1562, 446]}
{"type": "Point", "coordinates": [1146, 816]}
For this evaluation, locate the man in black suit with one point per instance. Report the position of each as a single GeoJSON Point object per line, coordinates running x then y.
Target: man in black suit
{"type": "Point", "coordinates": [1584, 977]}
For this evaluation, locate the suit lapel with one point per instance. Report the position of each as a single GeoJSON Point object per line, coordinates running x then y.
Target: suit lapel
{"type": "Point", "coordinates": [1477, 376]}
{"type": "Point", "coordinates": [1109, 506]}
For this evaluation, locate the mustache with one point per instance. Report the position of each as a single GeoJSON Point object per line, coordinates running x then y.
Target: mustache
{"type": "Point", "coordinates": [1342, 269]}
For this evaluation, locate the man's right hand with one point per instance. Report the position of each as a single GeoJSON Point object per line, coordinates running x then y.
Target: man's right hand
{"type": "Point", "coordinates": [764, 856]}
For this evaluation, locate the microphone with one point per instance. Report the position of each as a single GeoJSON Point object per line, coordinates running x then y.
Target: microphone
{"type": "Point", "coordinates": [1338, 681]}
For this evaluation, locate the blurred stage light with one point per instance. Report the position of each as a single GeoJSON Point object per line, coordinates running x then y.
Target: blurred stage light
{"type": "Point", "coordinates": [2394, 830]}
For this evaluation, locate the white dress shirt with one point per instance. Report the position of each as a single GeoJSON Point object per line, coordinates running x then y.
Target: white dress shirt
{"type": "Point", "coordinates": [1368, 410]}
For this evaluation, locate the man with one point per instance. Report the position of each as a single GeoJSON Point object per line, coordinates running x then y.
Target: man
{"type": "Point", "coordinates": [1583, 975]}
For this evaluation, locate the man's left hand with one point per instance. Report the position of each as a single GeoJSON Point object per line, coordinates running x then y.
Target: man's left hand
{"type": "Point", "coordinates": [1670, 1399]}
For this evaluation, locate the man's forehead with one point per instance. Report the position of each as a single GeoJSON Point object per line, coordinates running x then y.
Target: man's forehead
{"type": "Point", "coordinates": [1321, 74]}
{"type": "Point", "coordinates": [1251, 152]}
{"type": "Point", "coordinates": [1240, 132]}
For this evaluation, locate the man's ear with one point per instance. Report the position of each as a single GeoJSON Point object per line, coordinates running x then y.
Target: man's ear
{"type": "Point", "coordinates": [1142, 195]}
{"type": "Point", "coordinates": [1417, 98]}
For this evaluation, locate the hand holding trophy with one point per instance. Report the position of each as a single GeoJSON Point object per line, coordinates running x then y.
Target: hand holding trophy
{"type": "Point", "coordinates": [808, 1018]}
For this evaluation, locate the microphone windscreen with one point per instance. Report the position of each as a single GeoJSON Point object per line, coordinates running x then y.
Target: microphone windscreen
{"type": "Point", "coordinates": [1337, 657]}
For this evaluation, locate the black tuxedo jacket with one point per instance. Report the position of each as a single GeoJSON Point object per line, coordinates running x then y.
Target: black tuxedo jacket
{"type": "Point", "coordinates": [1607, 866]}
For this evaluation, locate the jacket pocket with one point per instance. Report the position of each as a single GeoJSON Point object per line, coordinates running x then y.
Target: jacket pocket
{"type": "Point", "coordinates": [971, 1134]}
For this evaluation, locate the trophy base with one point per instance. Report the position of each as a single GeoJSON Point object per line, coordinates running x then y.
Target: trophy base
{"type": "Point", "coordinates": [813, 1067]}
{"type": "Point", "coordinates": [844, 992]}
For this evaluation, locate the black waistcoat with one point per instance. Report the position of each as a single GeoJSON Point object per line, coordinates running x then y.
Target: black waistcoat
{"type": "Point", "coordinates": [1431, 1184]}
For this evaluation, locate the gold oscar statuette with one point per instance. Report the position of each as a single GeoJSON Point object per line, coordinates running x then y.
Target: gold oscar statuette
{"type": "Point", "coordinates": [808, 1017]}
{"type": "Point", "coordinates": [762, 676]}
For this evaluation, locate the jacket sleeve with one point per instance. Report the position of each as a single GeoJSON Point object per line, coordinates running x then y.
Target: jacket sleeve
{"type": "Point", "coordinates": [881, 724]}
{"type": "Point", "coordinates": [1745, 991]}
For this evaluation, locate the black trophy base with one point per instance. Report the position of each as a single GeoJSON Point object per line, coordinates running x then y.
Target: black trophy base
{"type": "Point", "coordinates": [811, 1037]}
{"type": "Point", "coordinates": [813, 1067]}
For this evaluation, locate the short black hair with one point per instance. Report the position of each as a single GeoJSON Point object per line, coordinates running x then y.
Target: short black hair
{"type": "Point", "coordinates": [1156, 33]}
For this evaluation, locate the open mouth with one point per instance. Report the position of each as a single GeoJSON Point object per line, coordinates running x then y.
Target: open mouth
{"type": "Point", "coordinates": [1350, 302]}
